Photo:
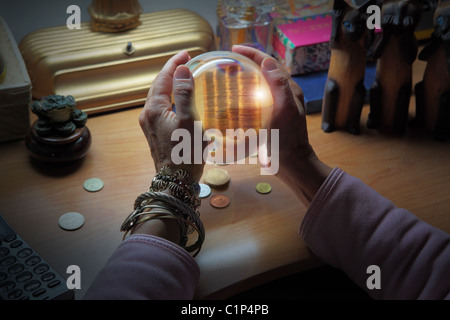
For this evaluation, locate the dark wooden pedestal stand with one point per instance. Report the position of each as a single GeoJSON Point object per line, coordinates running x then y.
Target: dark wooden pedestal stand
{"type": "Point", "coordinates": [58, 149]}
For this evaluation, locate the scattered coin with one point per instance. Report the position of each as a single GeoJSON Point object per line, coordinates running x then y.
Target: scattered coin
{"type": "Point", "coordinates": [93, 184]}
{"type": "Point", "coordinates": [205, 190]}
{"type": "Point", "coordinates": [216, 177]}
{"type": "Point", "coordinates": [219, 201]}
{"type": "Point", "coordinates": [263, 187]}
{"type": "Point", "coordinates": [71, 221]}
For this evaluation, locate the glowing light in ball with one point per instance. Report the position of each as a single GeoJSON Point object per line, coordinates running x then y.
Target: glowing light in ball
{"type": "Point", "coordinates": [231, 94]}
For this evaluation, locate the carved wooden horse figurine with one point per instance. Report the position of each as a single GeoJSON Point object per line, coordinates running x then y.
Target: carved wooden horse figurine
{"type": "Point", "coordinates": [433, 93]}
{"type": "Point", "coordinates": [396, 51]}
{"type": "Point", "coordinates": [344, 90]}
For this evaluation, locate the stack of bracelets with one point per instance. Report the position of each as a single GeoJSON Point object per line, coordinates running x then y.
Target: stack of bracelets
{"type": "Point", "coordinates": [181, 204]}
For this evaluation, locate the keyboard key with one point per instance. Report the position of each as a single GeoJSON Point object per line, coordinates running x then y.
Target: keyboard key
{"type": "Point", "coordinates": [9, 260]}
{"type": "Point", "coordinates": [32, 261]}
{"type": "Point", "coordinates": [3, 252]}
{"type": "Point", "coordinates": [10, 237]}
{"type": "Point", "coordinates": [41, 268]}
{"type": "Point", "coordinates": [32, 285]}
{"type": "Point", "coordinates": [24, 276]}
{"type": "Point", "coordinates": [16, 244]}
{"type": "Point", "coordinates": [16, 268]}
{"type": "Point", "coordinates": [39, 292]}
{"type": "Point", "coordinates": [7, 286]}
{"type": "Point", "coordinates": [15, 294]}
{"type": "Point", "coordinates": [54, 283]}
{"type": "Point", "coordinates": [48, 276]}
{"type": "Point", "coordinates": [23, 253]}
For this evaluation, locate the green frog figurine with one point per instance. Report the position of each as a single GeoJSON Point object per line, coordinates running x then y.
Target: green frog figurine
{"type": "Point", "coordinates": [60, 133]}
{"type": "Point", "coordinates": [57, 115]}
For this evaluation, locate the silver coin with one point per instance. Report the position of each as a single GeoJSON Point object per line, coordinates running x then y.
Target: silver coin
{"type": "Point", "coordinates": [71, 221]}
{"type": "Point", "coordinates": [205, 190]}
{"type": "Point", "coordinates": [93, 184]}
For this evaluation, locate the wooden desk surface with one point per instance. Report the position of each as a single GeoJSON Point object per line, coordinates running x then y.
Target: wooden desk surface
{"type": "Point", "coordinates": [254, 240]}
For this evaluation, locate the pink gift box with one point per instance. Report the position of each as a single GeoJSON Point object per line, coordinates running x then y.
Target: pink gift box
{"type": "Point", "coordinates": [302, 46]}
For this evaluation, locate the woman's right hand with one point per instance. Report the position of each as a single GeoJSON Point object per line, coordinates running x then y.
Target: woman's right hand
{"type": "Point", "coordinates": [299, 166]}
{"type": "Point", "coordinates": [158, 121]}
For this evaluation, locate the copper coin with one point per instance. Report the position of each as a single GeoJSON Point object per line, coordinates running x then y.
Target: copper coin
{"type": "Point", "coordinates": [219, 201]}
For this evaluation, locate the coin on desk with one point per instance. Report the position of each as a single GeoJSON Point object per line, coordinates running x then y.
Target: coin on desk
{"type": "Point", "coordinates": [71, 221]}
{"type": "Point", "coordinates": [93, 184]}
{"type": "Point", "coordinates": [263, 187]}
{"type": "Point", "coordinates": [205, 190]}
{"type": "Point", "coordinates": [219, 201]}
{"type": "Point", "coordinates": [216, 177]}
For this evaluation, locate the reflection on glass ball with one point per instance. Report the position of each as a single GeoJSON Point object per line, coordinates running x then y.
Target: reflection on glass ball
{"type": "Point", "coordinates": [232, 98]}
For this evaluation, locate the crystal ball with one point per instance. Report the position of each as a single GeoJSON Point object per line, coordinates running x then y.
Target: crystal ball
{"type": "Point", "coordinates": [233, 102]}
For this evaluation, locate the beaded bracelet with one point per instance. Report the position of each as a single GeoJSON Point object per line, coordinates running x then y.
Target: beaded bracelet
{"type": "Point", "coordinates": [179, 184]}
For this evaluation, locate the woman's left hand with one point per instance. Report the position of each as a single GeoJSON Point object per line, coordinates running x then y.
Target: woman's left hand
{"type": "Point", "coordinates": [158, 121]}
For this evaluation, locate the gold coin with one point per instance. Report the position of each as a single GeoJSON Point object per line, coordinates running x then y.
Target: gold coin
{"type": "Point", "coordinates": [219, 201]}
{"type": "Point", "coordinates": [263, 187]}
{"type": "Point", "coordinates": [216, 177]}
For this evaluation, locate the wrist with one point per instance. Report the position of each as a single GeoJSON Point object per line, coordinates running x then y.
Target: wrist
{"type": "Point", "coordinates": [304, 174]}
{"type": "Point", "coordinates": [172, 196]}
{"type": "Point", "coordinates": [168, 229]}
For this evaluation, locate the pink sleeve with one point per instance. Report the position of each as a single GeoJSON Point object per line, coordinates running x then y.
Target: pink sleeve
{"type": "Point", "coordinates": [146, 267]}
{"type": "Point", "coordinates": [351, 227]}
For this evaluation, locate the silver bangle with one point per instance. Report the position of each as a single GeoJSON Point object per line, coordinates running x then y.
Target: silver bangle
{"type": "Point", "coordinates": [187, 217]}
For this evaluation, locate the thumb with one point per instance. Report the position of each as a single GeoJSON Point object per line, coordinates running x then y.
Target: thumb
{"type": "Point", "coordinates": [279, 84]}
{"type": "Point", "coordinates": [183, 94]}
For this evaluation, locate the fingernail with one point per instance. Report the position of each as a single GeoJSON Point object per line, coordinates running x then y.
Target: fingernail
{"type": "Point", "coordinates": [182, 73]}
{"type": "Point", "coordinates": [269, 64]}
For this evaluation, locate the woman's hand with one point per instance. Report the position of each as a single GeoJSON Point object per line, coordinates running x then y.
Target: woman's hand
{"type": "Point", "coordinates": [299, 166]}
{"type": "Point", "coordinates": [157, 119]}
